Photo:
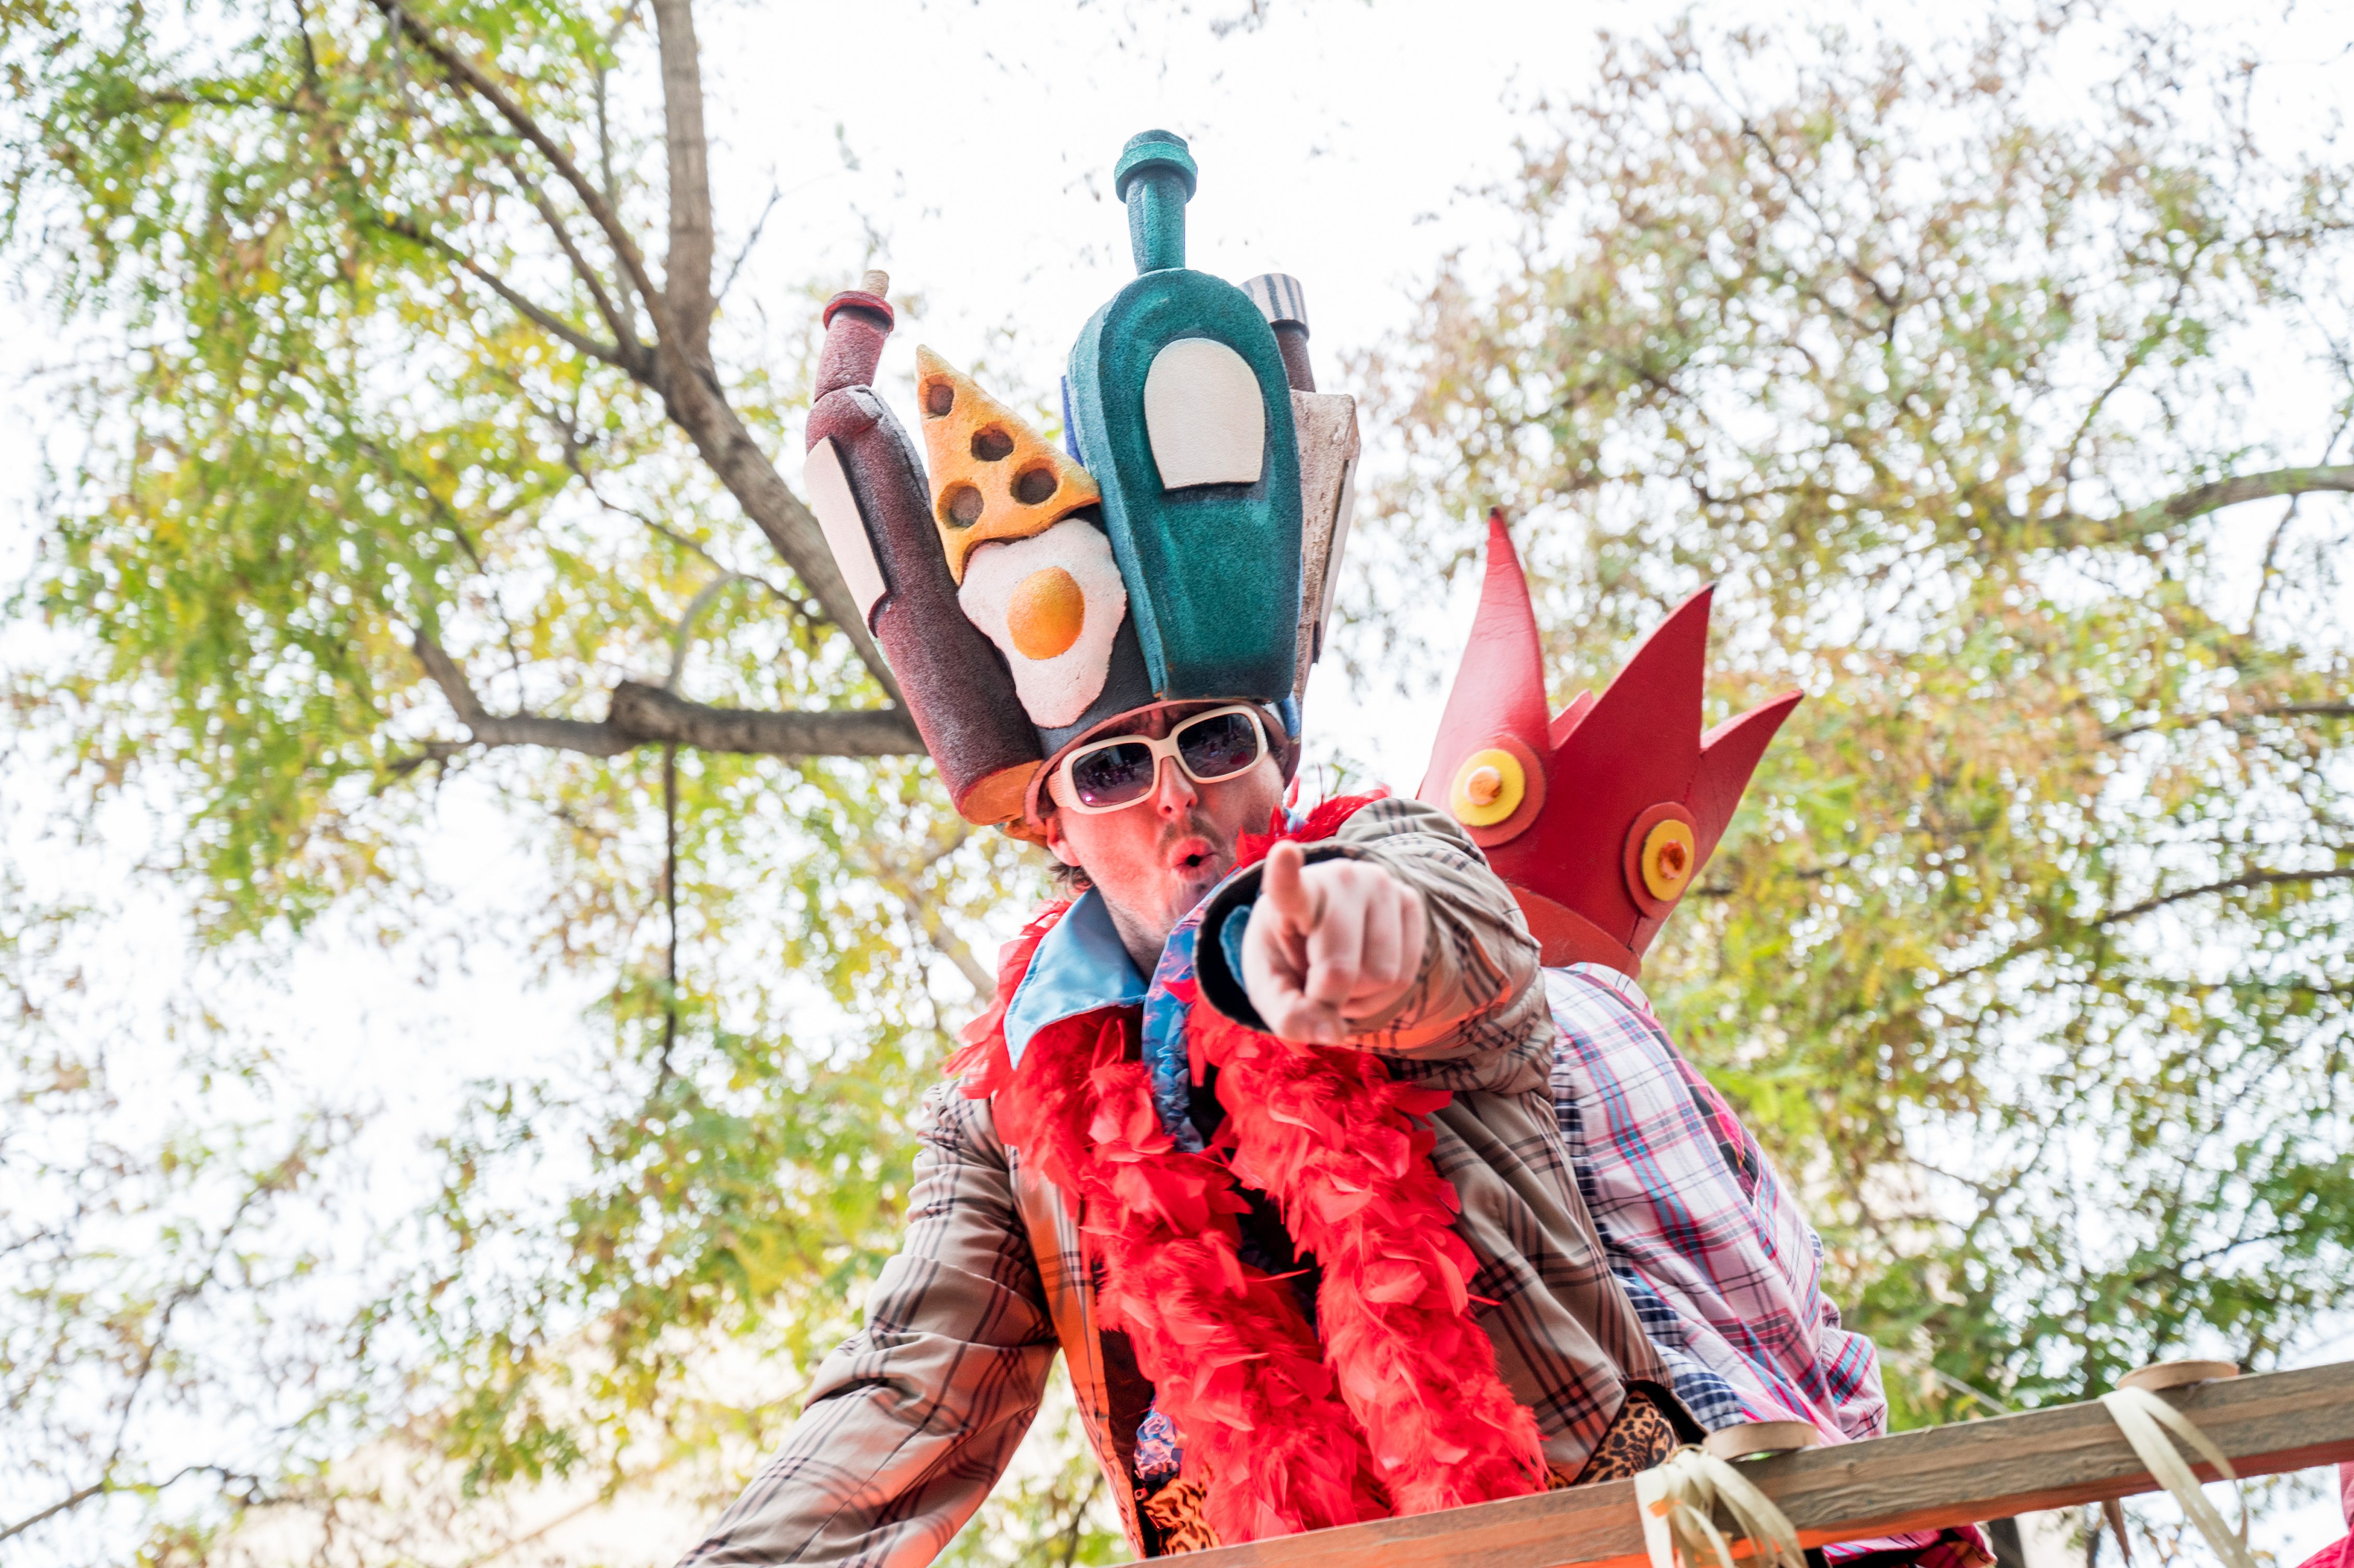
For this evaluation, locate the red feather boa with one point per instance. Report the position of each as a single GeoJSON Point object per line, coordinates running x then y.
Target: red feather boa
{"type": "Point", "coordinates": [1275, 1425]}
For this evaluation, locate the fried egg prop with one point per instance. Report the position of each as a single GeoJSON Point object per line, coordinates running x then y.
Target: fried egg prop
{"type": "Point", "coordinates": [1053, 604]}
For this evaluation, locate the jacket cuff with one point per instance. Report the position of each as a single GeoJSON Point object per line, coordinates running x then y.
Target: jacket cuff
{"type": "Point", "coordinates": [1218, 951]}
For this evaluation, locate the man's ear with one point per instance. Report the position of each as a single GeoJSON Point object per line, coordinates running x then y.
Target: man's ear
{"type": "Point", "coordinates": [1056, 844]}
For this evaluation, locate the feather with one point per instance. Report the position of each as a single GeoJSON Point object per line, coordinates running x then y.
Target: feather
{"type": "Point", "coordinates": [1399, 1408]}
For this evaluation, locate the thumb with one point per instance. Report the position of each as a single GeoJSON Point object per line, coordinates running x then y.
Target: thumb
{"type": "Point", "coordinates": [1283, 888]}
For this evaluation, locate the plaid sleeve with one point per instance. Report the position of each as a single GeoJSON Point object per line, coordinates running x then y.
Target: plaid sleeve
{"type": "Point", "coordinates": [909, 1423]}
{"type": "Point", "coordinates": [1850, 1364]}
{"type": "Point", "coordinates": [1688, 1205]}
{"type": "Point", "coordinates": [1847, 1363]}
{"type": "Point", "coordinates": [1477, 989]}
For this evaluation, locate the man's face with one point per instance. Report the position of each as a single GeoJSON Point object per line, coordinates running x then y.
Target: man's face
{"type": "Point", "coordinates": [1155, 860]}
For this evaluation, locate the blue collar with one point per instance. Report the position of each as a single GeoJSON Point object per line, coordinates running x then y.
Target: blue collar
{"type": "Point", "coordinates": [1080, 966]}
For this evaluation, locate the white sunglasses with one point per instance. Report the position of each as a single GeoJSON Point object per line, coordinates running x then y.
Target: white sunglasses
{"type": "Point", "coordinates": [1114, 774]}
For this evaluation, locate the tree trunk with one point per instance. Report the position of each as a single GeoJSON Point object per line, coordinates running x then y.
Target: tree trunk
{"type": "Point", "coordinates": [687, 272]}
{"type": "Point", "coordinates": [690, 389]}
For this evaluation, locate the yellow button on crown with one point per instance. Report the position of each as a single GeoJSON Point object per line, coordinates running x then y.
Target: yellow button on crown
{"type": "Point", "coordinates": [1670, 857]}
{"type": "Point", "coordinates": [1489, 787]}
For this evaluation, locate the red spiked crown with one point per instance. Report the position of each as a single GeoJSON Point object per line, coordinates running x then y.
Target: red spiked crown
{"type": "Point", "coordinates": [1600, 817]}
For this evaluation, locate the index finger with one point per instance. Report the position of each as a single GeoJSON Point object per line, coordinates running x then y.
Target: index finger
{"type": "Point", "coordinates": [1283, 889]}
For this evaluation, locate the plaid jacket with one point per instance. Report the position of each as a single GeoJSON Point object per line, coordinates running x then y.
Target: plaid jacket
{"type": "Point", "coordinates": [911, 1421]}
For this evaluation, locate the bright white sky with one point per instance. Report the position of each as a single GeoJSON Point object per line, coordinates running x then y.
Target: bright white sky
{"type": "Point", "coordinates": [1336, 144]}
{"type": "Point", "coordinates": [1342, 142]}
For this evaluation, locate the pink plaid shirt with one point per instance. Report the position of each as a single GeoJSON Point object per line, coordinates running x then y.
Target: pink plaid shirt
{"type": "Point", "coordinates": [1722, 1269]}
{"type": "Point", "coordinates": [1725, 1271]}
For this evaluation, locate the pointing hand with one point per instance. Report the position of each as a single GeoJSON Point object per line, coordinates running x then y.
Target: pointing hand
{"type": "Point", "coordinates": [1330, 945]}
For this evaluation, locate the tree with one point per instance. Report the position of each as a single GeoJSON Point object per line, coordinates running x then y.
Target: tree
{"type": "Point", "coordinates": [2029, 956]}
{"type": "Point", "coordinates": [428, 453]}
{"type": "Point", "coordinates": [129, 1262]}
{"type": "Point", "coordinates": [388, 276]}
{"type": "Point", "coordinates": [417, 469]}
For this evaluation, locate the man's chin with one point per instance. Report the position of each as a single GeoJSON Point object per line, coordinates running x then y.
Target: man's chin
{"type": "Point", "coordinates": [1193, 883]}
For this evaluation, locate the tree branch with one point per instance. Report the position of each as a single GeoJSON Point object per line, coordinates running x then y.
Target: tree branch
{"type": "Point", "coordinates": [2135, 911]}
{"type": "Point", "coordinates": [750, 240]}
{"type": "Point", "coordinates": [2230, 885]}
{"type": "Point", "coordinates": [683, 634]}
{"type": "Point", "coordinates": [545, 320]}
{"type": "Point", "coordinates": [511, 729]}
{"type": "Point", "coordinates": [2280, 710]}
{"type": "Point", "coordinates": [226, 1476]}
{"type": "Point", "coordinates": [572, 448]}
{"type": "Point", "coordinates": [2265, 574]}
{"type": "Point", "coordinates": [944, 941]}
{"type": "Point", "coordinates": [470, 77]}
{"type": "Point", "coordinates": [262, 1185]}
{"type": "Point", "coordinates": [2197, 502]}
{"type": "Point", "coordinates": [66, 1504]}
{"type": "Point", "coordinates": [686, 269]}
{"type": "Point", "coordinates": [191, 99]}
{"type": "Point", "coordinates": [976, 974]}
{"type": "Point", "coordinates": [690, 395]}
{"type": "Point", "coordinates": [647, 716]}
{"type": "Point", "coordinates": [616, 320]}
{"type": "Point", "coordinates": [720, 436]}
{"type": "Point", "coordinates": [927, 916]}
{"type": "Point", "coordinates": [1824, 228]}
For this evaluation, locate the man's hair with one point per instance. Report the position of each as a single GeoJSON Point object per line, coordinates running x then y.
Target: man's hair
{"type": "Point", "coordinates": [1069, 880]}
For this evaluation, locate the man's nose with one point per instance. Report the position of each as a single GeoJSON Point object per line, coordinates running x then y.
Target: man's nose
{"type": "Point", "coordinates": [1174, 794]}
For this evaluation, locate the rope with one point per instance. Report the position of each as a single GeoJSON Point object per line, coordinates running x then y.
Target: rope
{"type": "Point", "coordinates": [2143, 1418]}
{"type": "Point", "coordinates": [1679, 1498]}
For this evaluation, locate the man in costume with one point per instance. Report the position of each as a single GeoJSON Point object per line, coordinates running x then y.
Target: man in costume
{"type": "Point", "coordinates": [1258, 1130]}
{"type": "Point", "coordinates": [1600, 818]}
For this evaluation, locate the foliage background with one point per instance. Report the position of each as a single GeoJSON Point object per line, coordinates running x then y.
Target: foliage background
{"type": "Point", "coordinates": [2033, 958]}
{"type": "Point", "coordinates": [2028, 959]}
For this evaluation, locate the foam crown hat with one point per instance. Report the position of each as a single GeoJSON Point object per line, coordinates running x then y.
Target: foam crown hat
{"type": "Point", "coordinates": [1601, 817]}
{"type": "Point", "coordinates": [1184, 549]}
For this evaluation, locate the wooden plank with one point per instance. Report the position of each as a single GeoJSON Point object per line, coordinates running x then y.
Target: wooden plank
{"type": "Point", "coordinates": [1915, 1480]}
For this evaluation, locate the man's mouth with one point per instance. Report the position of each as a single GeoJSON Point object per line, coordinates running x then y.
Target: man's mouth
{"type": "Point", "coordinates": [1193, 856]}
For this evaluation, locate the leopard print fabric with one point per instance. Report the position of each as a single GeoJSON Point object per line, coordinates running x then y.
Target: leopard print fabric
{"type": "Point", "coordinates": [1175, 1514]}
{"type": "Point", "coordinates": [1639, 1437]}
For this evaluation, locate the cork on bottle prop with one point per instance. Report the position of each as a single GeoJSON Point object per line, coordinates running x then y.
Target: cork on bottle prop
{"type": "Point", "coordinates": [1284, 303]}
{"type": "Point", "coordinates": [867, 486]}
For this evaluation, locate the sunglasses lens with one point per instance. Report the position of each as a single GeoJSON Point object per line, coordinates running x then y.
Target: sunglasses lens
{"type": "Point", "coordinates": [1113, 775]}
{"type": "Point", "coordinates": [1218, 747]}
